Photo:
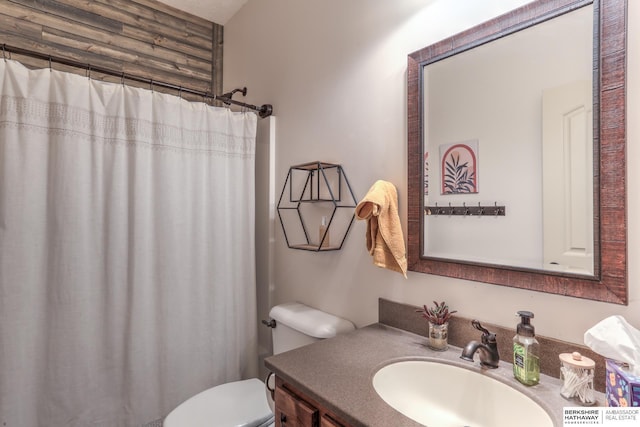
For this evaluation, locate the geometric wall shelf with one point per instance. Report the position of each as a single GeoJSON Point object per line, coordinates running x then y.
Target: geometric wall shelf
{"type": "Point", "coordinates": [316, 207]}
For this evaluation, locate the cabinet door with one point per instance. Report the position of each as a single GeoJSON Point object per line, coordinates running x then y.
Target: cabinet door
{"type": "Point", "coordinates": [292, 411]}
{"type": "Point", "coordinates": [327, 421]}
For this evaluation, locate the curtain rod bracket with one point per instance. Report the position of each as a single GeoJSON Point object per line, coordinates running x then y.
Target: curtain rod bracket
{"type": "Point", "coordinates": [265, 111]}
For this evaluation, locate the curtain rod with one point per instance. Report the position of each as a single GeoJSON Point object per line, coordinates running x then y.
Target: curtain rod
{"type": "Point", "coordinates": [263, 111]}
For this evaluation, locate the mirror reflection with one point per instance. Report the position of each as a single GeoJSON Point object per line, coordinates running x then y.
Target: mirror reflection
{"type": "Point", "coordinates": [510, 124]}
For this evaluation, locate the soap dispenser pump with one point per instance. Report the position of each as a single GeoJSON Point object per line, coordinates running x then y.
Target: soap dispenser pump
{"type": "Point", "coordinates": [526, 350]}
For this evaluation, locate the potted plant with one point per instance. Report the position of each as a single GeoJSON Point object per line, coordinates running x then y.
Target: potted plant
{"type": "Point", "coordinates": [438, 317]}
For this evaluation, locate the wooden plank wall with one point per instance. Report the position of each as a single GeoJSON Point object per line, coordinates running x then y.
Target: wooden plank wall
{"type": "Point", "coordinates": [138, 37]}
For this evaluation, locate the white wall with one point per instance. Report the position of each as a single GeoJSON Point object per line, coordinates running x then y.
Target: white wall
{"type": "Point", "coordinates": [335, 72]}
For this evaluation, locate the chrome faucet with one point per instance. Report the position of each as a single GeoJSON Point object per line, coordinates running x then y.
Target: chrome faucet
{"type": "Point", "coordinates": [487, 349]}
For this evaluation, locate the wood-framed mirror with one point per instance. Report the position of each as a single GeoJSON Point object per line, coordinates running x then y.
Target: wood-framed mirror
{"type": "Point", "coordinates": [607, 281]}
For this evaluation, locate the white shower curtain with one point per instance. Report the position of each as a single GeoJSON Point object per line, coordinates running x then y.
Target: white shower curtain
{"type": "Point", "coordinates": [127, 275]}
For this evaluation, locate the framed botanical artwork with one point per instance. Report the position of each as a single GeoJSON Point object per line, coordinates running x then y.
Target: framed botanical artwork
{"type": "Point", "coordinates": [459, 167]}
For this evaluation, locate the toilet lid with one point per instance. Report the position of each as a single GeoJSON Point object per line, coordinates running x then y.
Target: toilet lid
{"type": "Point", "coordinates": [235, 404]}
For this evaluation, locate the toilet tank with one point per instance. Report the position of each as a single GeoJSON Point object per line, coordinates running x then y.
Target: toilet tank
{"type": "Point", "coordinates": [298, 324]}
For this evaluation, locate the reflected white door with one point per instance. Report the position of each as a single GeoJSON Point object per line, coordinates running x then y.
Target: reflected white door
{"type": "Point", "coordinates": [567, 135]}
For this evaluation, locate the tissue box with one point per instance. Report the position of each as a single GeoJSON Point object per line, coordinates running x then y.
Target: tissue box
{"type": "Point", "coordinates": [623, 388]}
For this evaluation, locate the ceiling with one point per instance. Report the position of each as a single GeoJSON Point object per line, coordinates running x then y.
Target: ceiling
{"type": "Point", "coordinates": [218, 11]}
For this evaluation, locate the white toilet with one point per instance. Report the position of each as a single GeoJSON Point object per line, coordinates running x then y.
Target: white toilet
{"type": "Point", "coordinates": [248, 403]}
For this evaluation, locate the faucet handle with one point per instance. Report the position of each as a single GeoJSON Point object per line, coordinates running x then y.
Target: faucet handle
{"type": "Point", "coordinates": [476, 324]}
{"type": "Point", "coordinates": [487, 337]}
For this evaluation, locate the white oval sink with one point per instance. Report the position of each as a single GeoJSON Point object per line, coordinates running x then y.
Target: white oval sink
{"type": "Point", "coordinates": [440, 395]}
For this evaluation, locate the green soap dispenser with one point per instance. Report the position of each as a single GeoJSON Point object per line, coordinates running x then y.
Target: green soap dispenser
{"type": "Point", "coordinates": [526, 350]}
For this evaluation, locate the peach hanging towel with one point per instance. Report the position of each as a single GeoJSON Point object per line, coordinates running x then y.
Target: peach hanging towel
{"type": "Point", "coordinates": [385, 240]}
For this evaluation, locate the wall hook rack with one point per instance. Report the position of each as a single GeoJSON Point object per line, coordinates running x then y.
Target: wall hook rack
{"type": "Point", "coordinates": [464, 210]}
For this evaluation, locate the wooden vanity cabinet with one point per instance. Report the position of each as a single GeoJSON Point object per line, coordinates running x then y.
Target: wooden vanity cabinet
{"type": "Point", "coordinates": [327, 421]}
{"type": "Point", "coordinates": [294, 409]}
{"type": "Point", "coordinates": [291, 411]}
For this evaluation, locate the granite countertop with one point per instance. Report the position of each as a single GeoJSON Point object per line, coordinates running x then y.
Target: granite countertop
{"type": "Point", "coordinates": [338, 374]}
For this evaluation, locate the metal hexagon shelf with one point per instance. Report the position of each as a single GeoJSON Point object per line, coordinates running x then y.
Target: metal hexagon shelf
{"type": "Point", "coordinates": [316, 191]}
